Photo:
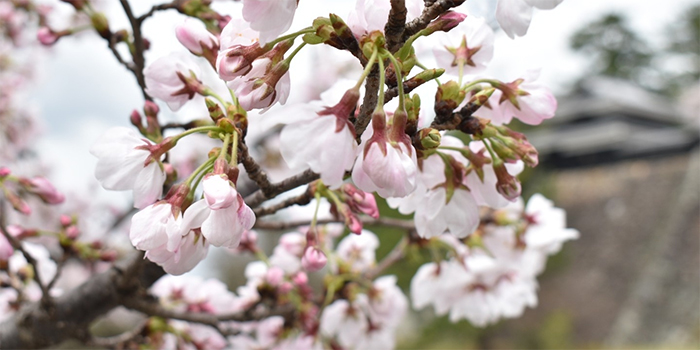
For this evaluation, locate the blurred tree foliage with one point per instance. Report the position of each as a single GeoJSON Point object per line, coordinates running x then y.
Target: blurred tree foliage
{"type": "Point", "coordinates": [618, 51]}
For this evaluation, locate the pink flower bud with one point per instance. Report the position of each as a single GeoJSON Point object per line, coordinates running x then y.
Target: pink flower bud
{"type": "Point", "coordinates": [135, 119]}
{"type": "Point", "coordinates": [286, 287]}
{"type": "Point", "coordinates": [218, 191]}
{"type": "Point", "coordinates": [46, 36]}
{"type": "Point", "coordinates": [44, 189]}
{"type": "Point", "coordinates": [301, 278]}
{"type": "Point", "coordinates": [6, 249]}
{"type": "Point", "coordinates": [274, 276]}
{"type": "Point", "coordinates": [72, 232]}
{"type": "Point", "coordinates": [314, 259]}
{"type": "Point", "coordinates": [446, 22]}
{"type": "Point", "coordinates": [194, 36]}
{"type": "Point", "coordinates": [15, 230]}
{"type": "Point", "coordinates": [66, 220]}
{"type": "Point", "coordinates": [507, 185]}
{"type": "Point", "coordinates": [151, 109]}
{"type": "Point", "coordinates": [4, 171]}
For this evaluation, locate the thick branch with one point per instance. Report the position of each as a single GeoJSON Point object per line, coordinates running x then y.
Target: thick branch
{"type": "Point", "coordinates": [275, 189]}
{"type": "Point", "coordinates": [368, 103]}
{"type": "Point", "coordinates": [32, 327]}
{"type": "Point", "coordinates": [394, 28]}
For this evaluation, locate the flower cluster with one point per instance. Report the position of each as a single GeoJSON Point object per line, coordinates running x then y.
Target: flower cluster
{"type": "Point", "coordinates": [431, 142]}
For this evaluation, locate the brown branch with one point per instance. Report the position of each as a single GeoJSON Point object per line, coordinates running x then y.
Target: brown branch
{"type": "Point", "coordinates": [151, 307]}
{"type": "Point", "coordinates": [252, 168]}
{"type": "Point", "coordinates": [302, 199]}
{"type": "Point", "coordinates": [429, 13]}
{"type": "Point", "coordinates": [172, 5]}
{"type": "Point", "coordinates": [33, 327]}
{"type": "Point", "coordinates": [396, 254]}
{"type": "Point", "coordinates": [368, 103]}
{"type": "Point", "coordinates": [139, 47]}
{"type": "Point", "coordinates": [275, 189]}
{"type": "Point", "coordinates": [395, 25]}
{"type": "Point", "coordinates": [110, 342]}
{"type": "Point", "coordinates": [398, 223]}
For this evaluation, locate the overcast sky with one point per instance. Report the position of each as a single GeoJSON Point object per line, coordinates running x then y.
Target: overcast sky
{"type": "Point", "coordinates": [81, 90]}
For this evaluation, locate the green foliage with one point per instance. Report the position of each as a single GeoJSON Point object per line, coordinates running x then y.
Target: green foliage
{"type": "Point", "coordinates": [617, 50]}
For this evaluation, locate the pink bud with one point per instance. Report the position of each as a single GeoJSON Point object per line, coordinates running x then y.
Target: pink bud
{"type": "Point", "coordinates": [286, 287]}
{"type": "Point", "coordinates": [4, 171]}
{"type": "Point", "coordinates": [66, 220]}
{"type": "Point", "coordinates": [72, 232]}
{"type": "Point", "coordinates": [44, 189]}
{"type": "Point", "coordinates": [194, 36]}
{"type": "Point", "coordinates": [314, 259]}
{"type": "Point", "coordinates": [151, 109]}
{"type": "Point", "coordinates": [46, 36]}
{"type": "Point", "coordinates": [6, 249]}
{"type": "Point", "coordinates": [354, 224]}
{"type": "Point", "coordinates": [446, 21]}
{"type": "Point", "coordinates": [135, 119]}
{"type": "Point", "coordinates": [15, 230]}
{"type": "Point", "coordinates": [274, 276]}
{"type": "Point", "coordinates": [108, 256]}
{"type": "Point", "coordinates": [507, 185]}
{"type": "Point", "coordinates": [300, 278]}
{"type": "Point", "coordinates": [218, 191]}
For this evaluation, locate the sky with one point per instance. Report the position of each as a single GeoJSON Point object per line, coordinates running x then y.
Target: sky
{"type": "Point", "coordinates": [81, 90]}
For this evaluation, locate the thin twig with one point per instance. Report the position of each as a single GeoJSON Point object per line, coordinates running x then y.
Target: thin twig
{"type": "Point", "coordinates": [396, 254]}
{"type": "Point", "coordinates": [398, 223]}
{"type": "Point", "coordinates": [302, 199]}
{"type": "Point", "coordinates": [161, 7]}
{"type": "Point", "coordinates": [429, 13]}
{"type": "Point", "coordinates": [152, 308]}
{"type": "Point", "coordinates": [139, 47]}
{"type": "Point", "coordinates": [110, 342]}
{"type": "Point", "coordinates": [275, 189]}
{"type": "Point", "coordinates": [46, 300]}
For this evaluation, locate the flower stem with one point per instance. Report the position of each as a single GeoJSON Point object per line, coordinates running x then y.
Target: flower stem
{"type": "Point", "coordinates": [199, 169]}
{"type": "Point", "coordinates": [200, 129]}
{"type": "Point", "coordinates": [368, 68]}
{"type": "Point", "coordinates": [290, 36]}
{"type": "Point", "coordinates": [234, 150]}
{"type": "Point", "coordinates": [399, 80]}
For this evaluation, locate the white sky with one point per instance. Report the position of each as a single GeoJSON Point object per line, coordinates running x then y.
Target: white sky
{"type": "Point", "coordinates": [82, 90]}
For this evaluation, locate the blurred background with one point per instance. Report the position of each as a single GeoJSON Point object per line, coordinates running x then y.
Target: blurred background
{"type": "Point", "coordinates": [621, 157]}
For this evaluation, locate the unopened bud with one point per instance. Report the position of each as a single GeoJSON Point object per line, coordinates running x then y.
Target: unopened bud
{"type": "Point", "coordinates": [101, 24]}
{"type": "Point", "coordinates": [430, 138]}
{"type": "Point", "coordinates": [72, 232]}
{"type": "Point", "coordinates": [151, 109]}
{"type": "Point", "coordinates": [215, 111]}
{"type": "Point", "coordinates": [482, 96]}
{"type": "Point", "coordinates": [507, 185]}
{"type": "Point", "coordinates": [66, 220]}
{"type": "Point", "coordinates": [46, 36]}
{"type": "Point", "coordinates": [135, 119]}
{"type": "Point", "coordinates": [445, 22]}
{"type": "Point", "coordinates": [314, 259]}
{"type": "Point", "coordinates": [4, 171]}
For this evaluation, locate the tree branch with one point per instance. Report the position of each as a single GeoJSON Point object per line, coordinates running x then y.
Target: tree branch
{"type": "Point", "coordinates": [429, 13]}
{"type": "Point", "coordinates": [368, 103]}
{"type": "Point", "coordinates": [396, 254]}
{"type": "Point", "coordinates": [395, 25]}
{"type": "Point", "coordinates": [33, 327]}
{"type": "Point", "coordinates": [302, 199]}
{"type": "Point", "coordinates": [275, 189]}
{"type": "Point", "coordinates": [17, 245]}
{"type": "Point", "coordinates": [252, 168]}
{"type": "Point", "coordinates": [398, 223]}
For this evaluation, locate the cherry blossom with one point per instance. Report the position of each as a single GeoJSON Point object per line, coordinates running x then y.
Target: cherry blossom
{"type": "Point", "coordinates": [358, 250]}
{"type": "Point", "coordinates": [239, 48]}
{"type": "Point", "coordinates": [514, 16]}
{"type": "Point", "coordinates": [469, 45]}
{"type": "Point", "coordinates": [270, 18]}
{"type": "Point", "coordinates": [126, 162]}
{"type": "Point", "coordinates": [322, 138]}
{"type": "Point", "coordinates": [173, 79]}
{"type": "Point", "coordinates": [193, 35]}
